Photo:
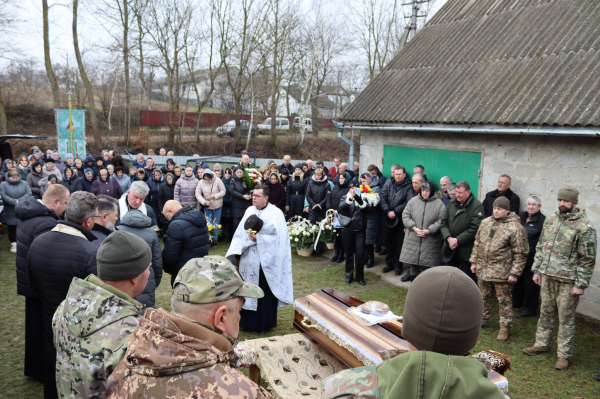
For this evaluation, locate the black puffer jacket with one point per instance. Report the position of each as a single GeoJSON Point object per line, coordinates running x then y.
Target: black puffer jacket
{"type": "Point", "coordinates": [316, 194]}
{"type": "Point", "coordinates": [395, 196]}
{"type": "Point", "coordinates": [238, 204]}
{"type": "Point", "coordinates": [34, 220]}
{"type": "Point", "coordinates": [351, 208]}
{"type": "Point", "coordinates": [73, 184]}
{"type": "Point", "coordinates": [373, 215]}
{"type": "Point", "coordinates": [166, 192]}
{"type": "Point", "coordinates": [53, 260]}
{"type": "Point", "coordinates": [334, 198]}
{"type": "Point", "coordinates": [186, 238]}
{"type": "Point", "coordinates": [295, 192]}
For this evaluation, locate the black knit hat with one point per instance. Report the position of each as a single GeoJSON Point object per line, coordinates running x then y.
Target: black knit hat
{"type": "Point", "coordinates": [298, 166]}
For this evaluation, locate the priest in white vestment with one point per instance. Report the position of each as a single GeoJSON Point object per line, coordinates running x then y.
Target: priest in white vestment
{"type": "Point", "coordinates": [265, 260]}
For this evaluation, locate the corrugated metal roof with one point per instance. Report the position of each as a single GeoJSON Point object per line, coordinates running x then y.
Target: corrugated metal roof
{"type": "Point", "coordinates": [531, 62]}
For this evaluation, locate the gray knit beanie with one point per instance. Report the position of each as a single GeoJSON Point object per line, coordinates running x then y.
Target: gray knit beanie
{"type": "Point", "coordinates": [443, 312]}
{"type": "Point", "coordinates": [502, 202]}
{"type": "Point", "coordinates": [121, 256]}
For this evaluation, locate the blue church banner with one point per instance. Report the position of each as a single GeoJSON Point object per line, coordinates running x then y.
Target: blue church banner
{"type": "Point", "coordinates": [66, 144]}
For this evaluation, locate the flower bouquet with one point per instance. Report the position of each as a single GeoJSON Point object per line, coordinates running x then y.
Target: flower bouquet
{"type": "Point", "coordinates": [302, 236]}
{"type": "Point", "coordinates": [252, 178]}
{"type": "Point", "coordinates": [369, 195]}
{"type": "Point", "coordinates": [327, 232]}
{"type": "Point", "coordinates": [214, 229]}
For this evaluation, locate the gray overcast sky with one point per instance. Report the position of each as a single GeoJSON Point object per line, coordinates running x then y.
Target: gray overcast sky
{"type": "Point", "coordinates": [28, 39]}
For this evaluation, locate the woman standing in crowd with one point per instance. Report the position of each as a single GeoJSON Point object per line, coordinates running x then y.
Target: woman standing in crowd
{"type": "Point", "coordinates": [89, 163]}
{"type": "Point", "coordinates": [47, 182]}
{"type": "Point", "coordinates": [150, 168]}
{"type": "Point", "coordinates": [98, 165]}
{"type": "Point", "coordinates": [209, 193]}
{"type": "Point", "coordinates": [526, 292]}
{"type": "Point", "coordinates": [118, 161]}
{"type": "Point", "coordinates": [166, 192]}
{"type": "Point", "coordinates": [353, 207]}
{"type": "Point", "coordinates": [107, 186]}
{"type": "Point", "coordinates": [169, 166]}
{"type": "Point", "coordinates": [177, 171]}
{"type": "Point", "coordinates": [185, 189]}
{"type": "Point", "coordinates": [422, 218]}
{"type": "Point", "coordinates": [276, 191]}
{"type": "Point", "coordinates": [58, 162]}
{"type": "Point", "coordinates": [284, 177]}
{"type": "Point", "coordinates": [23, 167]}
{"type": "Point", "coordinates": [333, 202]}
{"type": "Point", "coordinates": [34, 178]}
{"type": "Point", "coordinates": [7, 167]}
{"type": "Point", "coordinates": [240, 198]}
{"type": "Point", "coordinates": [50, 169]}
{"type": "Point", "coordinates": [218, 170]}
{"type": "Point", "coordinates": [373, 218]}
{"type": "Point", "coordinates": [13, 191]}
{"type": "Point", "coordinates": [226, 214]}
{"type": "Point", "coordinates": [111, 170]}
{"type": "Point", "coordinates": [154, 182]}
{"type": "Point", "coordinates": [295, 193]}
{"type": "Point", "coordinates": [87, 180]}
{"type": "Point", "coordinates": [135, 222]}
{"type": "Point", "coordinates": [71, 181]}
{"type": "Point", "coordinates": [140, 163]}
{"type": "Point", "coordinates": [122, 178]}
{"type": "Point", "coordinates": [80, 168]}
{"type": "Point", "coordinates": [316, 194]}
{"type": "Point", "coordinates": [133, 174]}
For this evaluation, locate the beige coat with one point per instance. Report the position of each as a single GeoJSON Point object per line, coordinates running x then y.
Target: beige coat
{"type": "Point", "coordinates": [215, 187]}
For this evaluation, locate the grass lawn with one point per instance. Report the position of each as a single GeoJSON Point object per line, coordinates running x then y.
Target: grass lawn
{"type": "Point", "coordinates": [529, 377]}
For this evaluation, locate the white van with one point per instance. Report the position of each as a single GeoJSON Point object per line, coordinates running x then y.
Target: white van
{"type": "Point", "coordinates": [280, 124]}
{"type": "Point", "coordinates": [307, 124]}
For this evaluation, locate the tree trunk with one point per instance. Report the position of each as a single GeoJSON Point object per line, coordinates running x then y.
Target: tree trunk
{"type": "Point", "coordinates": [86, 81]}
{"type": "Point", "coordinates": [314, 111]}
{"type": "Point", "coordinates": [3, 119]}
{"type": "Point", "coordinates": [126, 70]}
{"type": "Point", "coordinates": [49, 69]}
{"type": "Point", "coordinates": [238, 131]}
{"type": "Point", "coordinates": [145, 89]}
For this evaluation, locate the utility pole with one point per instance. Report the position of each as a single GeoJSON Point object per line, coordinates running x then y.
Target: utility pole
{"type": "Point", "coordinates": [410, 29]}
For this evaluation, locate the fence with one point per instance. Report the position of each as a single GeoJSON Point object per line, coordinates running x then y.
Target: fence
{"type": "Point", "coordinates": [163, 118]}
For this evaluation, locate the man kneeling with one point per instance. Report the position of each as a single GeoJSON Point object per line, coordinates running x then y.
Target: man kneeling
{"type": "Point", "coordinates": [92, 325]}
{"type": "Point", "coordinates": [441, 322]}
{"type": "Point", "coordinates": [186, 353]}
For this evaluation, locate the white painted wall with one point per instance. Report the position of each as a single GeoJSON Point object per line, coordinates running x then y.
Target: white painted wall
{"type": "Point", "coordinates": [538, 165]}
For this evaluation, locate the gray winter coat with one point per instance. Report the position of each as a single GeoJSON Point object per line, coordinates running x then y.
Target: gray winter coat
{"type": "Point", "coordinates": [373, 215]}
{"type": "Point", "coordinates": [425, 215]}
{"type": "Point", "coordinates": [185, 191]}
{"type": "Point", "coordinates": [135, 222]}
{"type": "Point", "coordinates": [10, 192]}
{"type": "Point", "coordinates": [33, 180]}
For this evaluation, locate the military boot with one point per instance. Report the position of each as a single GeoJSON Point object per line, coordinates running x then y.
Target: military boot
{"type": "Point", "coordinates": [533, 351]}
{"type": "Point", "coordinates": [503, 334]}
{"type": "Point", "coordinates": [561, 364]}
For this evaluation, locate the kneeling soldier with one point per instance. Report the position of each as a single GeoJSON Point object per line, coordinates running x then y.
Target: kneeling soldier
{"type": "Point", "coordinates": [498, 259]}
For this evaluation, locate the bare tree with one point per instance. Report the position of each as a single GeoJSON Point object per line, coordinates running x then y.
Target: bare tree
{"type": "Point", "coordinates": [7, 23]}
{"type": "Point", "coordinates": [138, 8]}
{"type": "Point", "coordinates": [239, 27]}
{"type": "Point", "coordinates": [49, 69]}
{"type": "Point", "coordinates": [86, 81]}
{"type": "Point", "coordinates": [376, 26]}
{"type": "Point", "coordinates": [167, 23]}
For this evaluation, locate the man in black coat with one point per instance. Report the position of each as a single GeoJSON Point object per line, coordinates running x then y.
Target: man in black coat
{"type": "Point", "coordinates": [503, 190]}
{"type": "Point", "coordinates": [186, 237]}
{"type": "Point", "coordinates": [394, 197]}
{"type": "Point", "coordinates": [35, 219]}
{"type": "Point", "coordinates": [53, 260]}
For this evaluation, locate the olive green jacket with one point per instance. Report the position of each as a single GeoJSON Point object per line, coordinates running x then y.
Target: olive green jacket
{"type": "Point", "coordinates": [462, 223]}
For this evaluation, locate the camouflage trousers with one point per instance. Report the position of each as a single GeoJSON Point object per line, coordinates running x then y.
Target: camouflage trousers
{"type": "Point", "coordinates": [504, 294]}
{"type": "Point", "coordinates": [556, 297]}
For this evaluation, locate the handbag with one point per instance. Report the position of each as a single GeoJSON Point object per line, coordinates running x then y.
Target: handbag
{"type": "Point", "coordinates": [345, 221]}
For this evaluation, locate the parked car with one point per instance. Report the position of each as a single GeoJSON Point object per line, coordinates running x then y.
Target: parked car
{"type": "Point", "coordinates": [280, 124]}
{"type": "Point", "coordinates": [228, 129]}
{"type": "Point", "coordinates": [307, 124]}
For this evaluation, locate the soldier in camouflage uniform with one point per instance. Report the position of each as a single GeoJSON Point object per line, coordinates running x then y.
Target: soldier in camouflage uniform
{"type": "Point", "coordinates": [187, 353]}
{"type": "Point", "coordinates": [498, 258]}
{"type": "Point", "coordinates": [564, 262]}
{"type": "Point", "coordinates": [92, 325]}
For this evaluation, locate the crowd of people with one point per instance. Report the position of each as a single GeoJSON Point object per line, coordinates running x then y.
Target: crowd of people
{"type": "Point", "coordinates": [87, 233]}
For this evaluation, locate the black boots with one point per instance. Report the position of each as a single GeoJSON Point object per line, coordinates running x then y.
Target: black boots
{"type": "Point", "coordinates": [336, 256]}
{"type": "Point", "coordinates": [406, 277]}
{"type": "Point", "coordinates": [384, 252]}
{"type": "Point", "coordinates": [378, 248]}
{"type": "Point", "coordinates": [341, 258]}
{"type": "Point", "coordinates": [369, 256]}
{"type": "Point", "coordinates": [398, 269]}
{"type": "Point", "coordinates": [388, 268]}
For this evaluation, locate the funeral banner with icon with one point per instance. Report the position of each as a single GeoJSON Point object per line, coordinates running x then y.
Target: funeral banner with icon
{"type": "Point", "coordinates": [71, 133]}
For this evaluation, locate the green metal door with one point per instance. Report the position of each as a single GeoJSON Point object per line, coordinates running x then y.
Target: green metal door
{"type": "Point", "coordinates": [459, 165]}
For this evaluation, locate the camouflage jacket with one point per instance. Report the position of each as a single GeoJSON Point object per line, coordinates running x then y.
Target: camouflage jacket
{"type": "Point", "coordinates": [170, 357]}
{"type": "Point", "coordinates": [567, 248]}
{"type": "Point", "coordinates": [500, 248]}
{"type": "Point", "coordinates": [91, 328]}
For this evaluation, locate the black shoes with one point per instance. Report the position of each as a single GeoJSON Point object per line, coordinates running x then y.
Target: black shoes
{"type": "Point", "coordinates": [388, 268]}
{"type": "Point", "coordinates": [370, 262]}
{"type": "Point", "coordinates": [384, 252]}
{"type": "Point", "coordinates": [362, 282]}
{"type": "Point", "coordinates": [341, 258]}
{"type": "Point", "coordinates": [398, 270]}
{"type": "Point", "coordinates": [597, 377]}
{"type": "Point", "coordinates": [528, 313]}
{"type": "Point", "coordinates": [348, 280]}
{"type": "Point", "coordinates": [378, 248]}
{"type": "Point", "coordinates": [407, 277]}
{"type": "Point", "coordinates": [336, 256]}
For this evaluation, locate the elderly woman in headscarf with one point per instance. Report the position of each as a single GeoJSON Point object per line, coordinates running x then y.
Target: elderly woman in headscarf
{"type": "Point", "coordinates": [13, 191]}
{"type": "Point", "coordinates": [47, 182]}
{"type": "Point", "coordinates": [71, 180]}
{"type": "Point", "coordinates": [106, 185]}
{"type": "Point", "coordinates": [7, 166]}
{"type": "Point", "coordinates": [34, 178]}
{"type": "Point", "coordinates": [276, 191]}
{"type": "Point", "coordinates": [87, 180]}
{"type": "Point", "coordinates": [373, 218]}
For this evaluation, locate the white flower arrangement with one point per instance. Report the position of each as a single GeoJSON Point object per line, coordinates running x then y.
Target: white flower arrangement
{"type": "Point", "coordinates": [371, 198]}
